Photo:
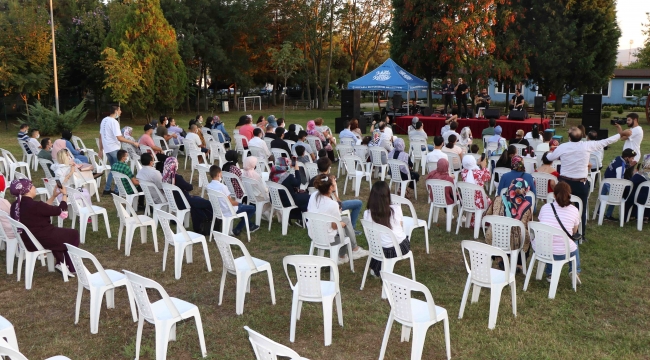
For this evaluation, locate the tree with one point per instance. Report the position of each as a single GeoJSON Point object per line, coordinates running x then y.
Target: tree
{"type": "Point", "coordinates": [123, 73]}
{"type": "Point", "coordinates": [145, 32]}
{"type": "Point", "coordinates": [287, 60]}
{"type": "Point", "coordinates": [643, 54]}
{"type": "Point", "coordinates": [638, 95]}
{"type": "Point", "coordinates": [26, 49]}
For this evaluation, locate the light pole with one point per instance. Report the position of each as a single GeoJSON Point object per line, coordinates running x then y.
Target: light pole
{"type": "Point", "coordinates": [56, 81]}
{"type": "Point", "coordinates": [629, 53]}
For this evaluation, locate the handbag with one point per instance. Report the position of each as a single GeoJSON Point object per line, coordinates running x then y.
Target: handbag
{"type": "Point", "coordinates": [574, 237]}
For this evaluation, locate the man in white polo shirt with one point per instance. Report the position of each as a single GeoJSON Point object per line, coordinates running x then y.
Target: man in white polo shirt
{"type": "Point", "coordinates": [110, 137]}
{"type": "Point", "coordinates": [633, 136]}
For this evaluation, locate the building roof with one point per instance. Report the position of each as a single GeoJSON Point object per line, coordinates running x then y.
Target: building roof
{"type": "Point", "coordinates": [631, 73]}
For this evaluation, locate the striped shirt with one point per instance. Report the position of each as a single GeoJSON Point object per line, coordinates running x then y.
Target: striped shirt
{"type": "Point", "coordinates": [570, 217]}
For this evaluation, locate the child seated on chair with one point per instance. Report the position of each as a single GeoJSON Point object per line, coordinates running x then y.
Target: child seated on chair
{"type": "Point", "coordinates": [216, 184]}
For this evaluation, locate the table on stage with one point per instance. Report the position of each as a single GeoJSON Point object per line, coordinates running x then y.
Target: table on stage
{"type": "Point", "coordinates": [433, 124]}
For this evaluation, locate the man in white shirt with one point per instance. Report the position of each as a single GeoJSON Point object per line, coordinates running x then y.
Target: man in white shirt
{"type": "Point", "coordinates": [386, 136]}
{"type": "Point", "coordinates": [193, 136]}
{"type": "Point", "coordinates": [437, 153]}
{"type": "Point", "coordinates": [575, 164]}
{"type": "Point", "coordinates": [452, 130]}
{"type": "Point", "coordinates": [110, 137]}
{"type": "Point", "coordinates": [447, 122]}
{"type": "Point", "coordinates": [346, 133]}
{"type": "Point", "coordinates": [33, 138]}
{"type": "Point", "coordinates": [633, 136]}
{"type": "Point", "coordinates": [217, 185]}
{"type": "Point", "coordinates": [150, 174]}
{"type": "Point", "coordinates": [257, 141]}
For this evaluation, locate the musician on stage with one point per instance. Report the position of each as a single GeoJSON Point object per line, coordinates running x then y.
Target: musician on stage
{"type": "Point", "coordinates": [461, 90]}
{"type": "Point", "coordinates": [517, 102]}
{"type": "Point", "coordinates": [448, 95]}
{"type": "Point", "coordinates": [482, 100]}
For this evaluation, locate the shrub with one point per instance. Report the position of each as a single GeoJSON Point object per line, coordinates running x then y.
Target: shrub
{"type": "Point", "coordinates": [49, 123]}
{"type": "Point", "coordinates": [620, 110]}
{"type": "Point", "coordinates": [605, 115]}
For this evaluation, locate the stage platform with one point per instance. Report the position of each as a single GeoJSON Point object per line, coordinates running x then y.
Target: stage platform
{"type": "Point", "coordinates": [433, 124]}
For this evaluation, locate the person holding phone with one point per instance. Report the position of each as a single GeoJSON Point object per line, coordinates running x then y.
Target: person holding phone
{"type": "Point", "coordinates": [65, 172]}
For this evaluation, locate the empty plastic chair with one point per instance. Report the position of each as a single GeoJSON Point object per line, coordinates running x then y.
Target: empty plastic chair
{"type": "Point", "coordinates": [98, 283]}
{"type": "Point", "coordinates": [276, 202]}
{"type": "Point", "coordinates": [267, 349]}
{"type": "Point", "coordinates": [309, 287]}
{"type": "Point", "coordinates": [412, 313]}
{"type": "Point", "coordinates": [84, 210]}
{"type": "Point", "coordinates": [494, 183]}
{"type": "Point", "coordinates": [376, 156]}
{"type": "Point", "coordinates": [242, 267]}
{"type": "Point", "coordinates": [356, 171]}
{"type": "Point", "coordinates": [130, 220]}
{"type": "Point", "coordinates": [481, 274]}
{"type": "Point", "coordinates": [14, 354]}
{"type": "Point", "coordinates": [411, 222]}
{"type": "Point", "coordinates": [164, 314]}
{"type": "Point", "coordinates": [8, 334]}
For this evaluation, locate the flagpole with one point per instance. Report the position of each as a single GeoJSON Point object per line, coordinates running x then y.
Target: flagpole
{"type": "Point", "coordinates": [56, 81]}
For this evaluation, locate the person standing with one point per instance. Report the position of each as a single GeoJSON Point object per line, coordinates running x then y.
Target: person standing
{"type": "Point", "coordinates": [633, 136]}
{"type": "Point", "coordinates": [461, 90]}
{"type": "Point", "coordinates": [517, 101]}
{"type": "Point", "coordinates": [448, 96]}
{"type": "Point", "coordinates": [575, 164]}
{"type": "Point", "coordinates": [110, 138]}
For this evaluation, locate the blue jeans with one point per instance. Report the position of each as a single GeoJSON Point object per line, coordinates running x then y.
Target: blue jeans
{"type": "Point", "coordinates": [112, 159]}
{"type": "Point", "coordinates": [355, 208]}
{"type": "Point", "coordinates": [250, 211]}
{"type": "Point", "coordinates": [549, 267]}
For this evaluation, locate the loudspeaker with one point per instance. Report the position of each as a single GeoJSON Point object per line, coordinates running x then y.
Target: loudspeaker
{"type": "Point", "coordinates": [540, 102]}
{"type": "Point", "coordinates": [591, 120]}
{"type": "Point", "coordinates": [517, 115]}
{"type": "Point", "coordinates": [603, 134]}
{"type": "Point", "coordinates": [339, 124]}
{"type": "Point", "coordinates": [350, 104]}
{"type": "Point", "coordinates": [398, 101]}
{"type": "Point", "coordinates": [592, 103]}
{"type": "Point", "coordinates": [492, 113]}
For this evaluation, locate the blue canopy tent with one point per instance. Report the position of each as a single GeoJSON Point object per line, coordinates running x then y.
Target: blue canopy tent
{"type": "Point", "coordinates": [389, 76]}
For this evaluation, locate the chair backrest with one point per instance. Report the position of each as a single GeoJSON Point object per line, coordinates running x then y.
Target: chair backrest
{"type": "Point", "coordinates": [165, 219]}
{"type": "Point", "coordinates": [534, 142]}
{"type": "Point", "coordinates": [399, 200]}
{"type": "Point", "coordinates": [520, 148]}
{"type": "Point", "coordinates": [274, 192]}
{"type": "Point", "coordinates": [542, 148]}
{"type": "Point", "coordinates": [454, 161]}
{"type": "Point", "coordinates": [418, 148]}
{"type": "Point", "coordinates": [555, 164]}
{"type": "Point", "coordinates": [491, 147]}
{"type": "Point", "coordinates": [347, 141]}
{"type": "Point", "coordinates": [24, 145]}
{"type": "Point", "coordinates": [230, 179]}
{"type": "Point", "coordinates": [217, 152]}
{"type": "Point", "coordinates": [311, 169]}
{"type": "Point", "coordinates": [268, 141]}
{"type": "Point", "coordinates": [224, 243]}
{"type": "Point", "coordinates": [542, 236]}
{"type": "Point", "coordinates": [139, 285]}
{"type": "Point", "coordinates": [257, 152]}
{"type": "Point", "coordinates": [125, 210]}
{"type": "Point", "coordinates": [353, 164]}
{"type": "Point", "coordinates": [251, 185]}
{"type": "Point", "coordinates": [9, 157]}
{"type": "Point", "coordinates": [345, 150]}
{"type": "Point", "coordinates": [308, 269]}
{"type": "Point", "coordinates": [314, 142]}
{"type": "Point", "coordinates": [502, 230]}
{"type": "Point", "coordinates": [541, 183]}
{"type": "Point", "coordinates": [120, 180]}
{"type": "Point", "coordinates": [160, 141]}
{"type": "Point", "coordinates": [78, 143]}
{"type": "Point", "coordinates": [574, 200]}
{"type": "Point", "coordinates": [399, 288]}
{"type": "Point", "coordinates": [18, 227]}
{"type": "Point", "coordinates": [169, 190]}
{"type": "Point", "coordinates": [530, 164]}
{"type": "Point", "coordinates": [78, 201]}
{"type": "Point", "coordinates": [267, 349]}
{"type": "Point", "coordinates": [467, 194]}
{"type": "Point", "coordinates": [206, 131]}
{"type": "Point", "coordinates": [645, 184]}
{"type": "Point", "coordinates": [7, 350]}
{"type": "Point", "coordinates": [617, 189]}
{"type": "Point", "coordinates": [480, 261]}
{"type": "Point", "coordinates": [218, 200]}
{"type": "Point", "coordinates": [436, 190]}
{"type": "Point", "coordinates": [485, 139]}
{"type": "Point", "coordinates": [278, 153]}
{"type": "Point", "coordinates": [318, 226]}
{"type": "Point", "coordinates": [149, 188]}
{"type": "Point", "coordinates": [35, 150]}
{"type": "Point", "coordinates": [376, 155]}
{"type": "Point", "coordinates": [77, 255]}
{"type": "Point", "coordinates": [190, 146]}
{"type": "Point", "coordinates": [395, 167]}
{"type": "Point", "coordinates": [19, 175]}
{"type": "Point", "coordinates": [45, 164]}
{"type": "Point", "coordinates": [239, 142]}
{"type": "Point", "coordinates": [432, 166]}
{"type": "Point", "coordinates": [361, 151]}
{"type": "Point", "coordinates": [500, 171]}
{"type": "Point", "coordinates": [374, 232]}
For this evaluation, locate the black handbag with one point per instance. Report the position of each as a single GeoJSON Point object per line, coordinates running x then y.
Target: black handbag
{"type": "Point", "coordinates": [575, 237]}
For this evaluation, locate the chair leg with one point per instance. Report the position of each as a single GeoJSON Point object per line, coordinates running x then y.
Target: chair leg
{"type": "Point", "coordinates": [417, 346]}
{"type": "Point", "coordinates": [639, 220]}
{"type": "Point", "coordinates": [138, 337]}
{"type": "Point", "coordinates": [80, 289]}
{"type": "Point", "coordinates": [12, 246]}
{"type": "Point", "coordinates": [163, 335]}
{"type": "Point", "coordinates": [165, 255]}
{"type": "Point", "coordinates": [240, 295]}
{"type": "Point", "coordinates": [555, 279]}
{"type": "Point", "coordinates": [476, 292]}
{"type": "Point", "coordinates": [339, 308]}
{"type": "Point", "coordinates": [155, 238]}
{"type": "Point", "coordinates": [384, 342]}
{"type": "Point", "coordinates": [530, 271]}
{"type": "Point", "coordinates": [271, 286]}
{"type": "Point", "coordinates": [463, 302]}
{"type": "Point", "coordinates": [495, 299]}
{"type": "Point", "coordinates": [119, 235]}
{"type": "Point", "coordinates": [199, 330]}
{"type": "Point", "coordinates": [327, 320]}
{"type": "Point", "coordinates": [206, 255]}
{"type": "Point", "coordinates": [108, 227]}
{"type": "Point", "coordinates": [365, 273]}
{"type": "Point", "coordinates": [513, 290]}
{"type": "Point", "coordinates": [128, 241]}
{"type": "Point", "coordinates": [95, 309]}
{"type": "Point", "coordinates": [294, 316]}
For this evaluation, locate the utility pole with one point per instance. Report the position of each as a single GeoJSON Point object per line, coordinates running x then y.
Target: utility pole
{"type": "Point", "coordinates": [629, 53]}
{"type": "Point", "coordinates": [56, 81]}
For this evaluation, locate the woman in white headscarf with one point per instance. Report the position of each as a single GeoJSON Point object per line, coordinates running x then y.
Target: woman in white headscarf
{"type": "Point", "coordinates": [465, 139]}
{"type": "Point", "coordinates": [479, 175]}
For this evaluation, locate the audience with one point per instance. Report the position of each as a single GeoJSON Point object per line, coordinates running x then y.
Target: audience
{"type": "Point", "coordinates": [519, 139]}
{"type": "Point", "coordinates": [442, 173]}
{"type": "Point", "coordinates": [79, 155]}
{"type": "Point", "coordinates": [280, 174]}
{"type": "Point", "coordinates": [149, 174]}
{"type": "Point", "coordinates": [46, 149]}
{"type": "Point", "coordinates": [501, 142]}
{"type": "Point", "coordinates": [347, 133]}
{"type": "Point", "coordinates": [291, 134]}
{"type": "Point", "coordinates": [641, 176]}
{"type": "Point", "coordinates": [547, 168]}
{"type": "Point", "coordinates": [452, 148]}
{"type": "Point", "coordinates": [452, 131]}
{"type": "Point", "coordinates": [324, 143]}
{"type": "Point", "coordinates": [23, 136]}
{"type": "Point", "coordinates": [261, 192]}
{"type": "Point", "coordinates": [34, 134]}
{"type": "Point", "coordinates": [302, 141]}
{"type": "Point", "coordinates": [436, 154]}
{"type": "Point", "coordinates": [147, 140]}
{"type": "Point", "coordinates": [270, 132]}
{"type": "Point", "coordinates": [399, 154]}
{"type": "Point", "coordinates": [489, 131]}
{"type": "Point", "coordinates": [259, 143]}
{"type": "Point", "coordinates": [215, 184]}
{"type": "Point", "coordinates": [217, 124]}
{"type": "Point", "coordinates": [465, 138]}
{"type": "Point", "coordinates": [279, 142]}
{"type": "Point", "coordinates": [354, 127]}
{"type": "Point", "coordinates": [473, 174]}
{"type": "Point", "coordinates": [616, 170]}
{"type": "Point", "coordinates": [232, 157]}
{"type": "Point", "coordinates": [518, 171]}
{"type": "Point", "coordinates": [193, 137]}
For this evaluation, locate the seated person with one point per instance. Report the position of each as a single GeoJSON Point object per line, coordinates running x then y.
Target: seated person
{"type": "Point", "coordinates": [122, 167]}
{"type": "Point", "coordinates": [65, 170]}
{"type": "Point", "coordinates": [258, 142]}
{"type": "Point", "coordinates": [398, 153]}
{"type": "Point", "coordinates": [452, 148]}
{"type": "Point", "coordinates": [174, 129]}
{"type": "Point", "coordinates": [193, 136]}
{"type": "Point", "coordinates": [147, 140]}
{"type": "Point", "coordinates": [518, 171]}
{"type": "Point", "coordinates": [280, 174]}
{"type": "Point", "coordinates": [23, 136]}
{"type": "Point", "coordinates": [326, 142]}
{"type": "Point", "coordinates": [34, 134]}
{"type": "Point", "coordinates": [215, 184]}
{"type": "Point", "coordinates": [617, 170]}
{"type": "Point", "coordinates": [500, 141]}
{"type": "Point", "coordinates": [46, 149]}
{"type": "Point", "coordinates": [346, 133]}
{"type": "Point", "coordinates": [436, 154]}
{"type": "Point", "coordinates": [164, 133]}
{"type": "Point", "coordinates": [291, 134]}
{"type": "Point", "coordinates": [492, 122]}
{"type": "Point", "coordinates": [232, 157]}
{"type": "Point", "coordinates": [519, 139]}
{"type": "Point", "coordinates": [442, 173]}
{"type": "Point", "coordinates": [642, 175]}
{"type": "Point", "coordinates": [419, 133]}
{"type": "Point", "coordinates": [79, 155]}
{"type": "Point", "coordinates": [547, 168]}
{"type": "Point", "coordinates": [217, 124]}
{"type": "Point", "coordinates": [270, 132]}
{"type": "Point", "coordinates": [301, 155]}
{"type": "Point", "coordinates": [150, 174]}
{"type": "Point", "coordinates": [302, 141]}
{"type": "Point", "coordinates": [279, 142]}
{"type": "Point", "coordinates": [474, 149]}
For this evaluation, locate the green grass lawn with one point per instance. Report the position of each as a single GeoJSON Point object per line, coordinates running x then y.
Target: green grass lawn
{"type": "Point", "coordinates": [607, 318]}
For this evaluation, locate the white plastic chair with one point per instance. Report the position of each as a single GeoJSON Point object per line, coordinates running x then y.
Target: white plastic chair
{"type": "Point", "coordinates": [239, 145]}
{"type": "Point", "coordinates": [396, 177]}
{"type": "Point", "coordinates": [376, 154]}
{"type": "Point", "coordinates": [411, 222]}
{"type": "Point", "coordinates": [267, 349]}
{"type": "Point", "coordinates": [98, 167]}
{"type": "Point", "coordinates": [639, 205]}
{"type": "Point", "coordinates": [182, 241]}
{"type": "Point", "coordinates": [615, 197]}
{"type": "Point", "coordinates": [541, 184]}
{"type": "Point", "coordinates": [574, 200]}
{"type": "Point", "coordinates": [79, 144]}
{"type": "Point", "coordinates": [196, 154]}
{"type": "Point", "coordinates": [217, 152]}
{"type": "Point", "coordinates": [454, 160]}
{"type": "Point", "coordinates": [10, 245]}
{"type": "Point", "coordinates": [242, 267]}
{"type": "Point", "coordinates": [344, 151]}
{"type": "Point", "coordinates": [267, 141]}
{"type": "Point", "coordinates": [27, 157]}
{"type": "Point", "coordinates": [494, 183]}
{"type": "Point", "coordinates": [314, 142]}
{"type": "Point", "coordinates": [98, 283]}
{"type": "Point", "coordinates": [347, 141]}
{"type": "Point", "coordinates": [311, 169]}
{"type": "Point", "coordinates": [467, 194]}
{"type": "Point", "coordinates": [356, 171]}
{"type": "Point", "coordinates": [276, 204]}
{"type": "Point", "coordinates": [502, 233]}
{"type": "Point", "coordinates": [34, 158]}
{"type": "Point", "coordinates": [309, 287]}
{"type": "Point", "coordinates": [278, 153]}
{"type": "Point", "coordinates": [317, 229]}
{"type": "Point", "coordinates": [541, 236]}
{"type": "Point", "coordinates": [84, 210]}
{"type": "Point", "coordinates": [8, 334]}
{"type": "Point", "coordinates": [530, 164]}
{"type": "Point", "coordinates": [481, 274]}
{"type": "Point", "coordinates": [437, 199]}
{"type": "Point", "coordinates": [45, 165]}
{"type": "Point", "coordinates": [184, 214]}
{"type": "Point", "coordinates": [250, 185]}
{"type": "Point", "coordinates": [164, 314]}
{"type": "Point", "coordinates": [229, 179]}
{"type": "Point", "coordinates": [412, 313]}
{"type": "Point", "coordinates": [373, 233]}
{"type": "Point", "coordinates": [13, 353]}
{"type": "Point", "coordinates": [217, 199]}
{"type": "Point", "coordinates": [594, 175]}
{"type": "Point", "coordinates": [12, 164]}
{"type": "Point", "coordinates": [118, 179]}
{"type": "Point", "coordinates": [418, 156]}
{"type": "Point", "coordinates": [148, 189]}
{"type": "Point", "coordinates": [258, 152]}
{"type": "Point", "coordinates": [520, 149]}
{"type": "Point", "coordinates": [555, 164]}
{"type": "Point", "coordinates": [131, 220]}
{"type": "Point", "coordinates": [164, 145]}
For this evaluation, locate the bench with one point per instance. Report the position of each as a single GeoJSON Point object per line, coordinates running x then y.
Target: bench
{"type": "Point", "coordinates": [307, 104]}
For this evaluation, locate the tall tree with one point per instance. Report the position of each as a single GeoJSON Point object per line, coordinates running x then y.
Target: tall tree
{"type": "Point", "coordinates": [643, 54]}
{"type": "Point", "coordinates": [286, 61]}
{"type": "Point", "coordinates": [145, 32]}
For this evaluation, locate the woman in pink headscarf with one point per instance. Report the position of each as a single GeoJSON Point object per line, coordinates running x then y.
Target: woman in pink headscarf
{"type": "Point", "coordinates": [313, 131]}
{"type": "Point", "coordinates": [261, 192]}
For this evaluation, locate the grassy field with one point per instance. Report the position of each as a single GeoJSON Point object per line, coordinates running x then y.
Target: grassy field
{"type": "Point", "coordinates": [607, 318]}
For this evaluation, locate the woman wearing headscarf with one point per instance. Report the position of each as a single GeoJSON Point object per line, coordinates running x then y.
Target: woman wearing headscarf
{"type": "Point", "coordinates": [35, 215]}
{"type": "Point", "coordinates": [217, 124]}
{"type": "Point", "coordinates": [231, 166]}
{"type": "Point", "coordinates": [500, 141]}
{"type": "Point", "coordinates": [399, 154]}
{"type": "Point", "coordinates": [312, 131]}
{"type": "Point", "coordinates": [172, 128]}
{"type": "Point", "coordinates": [79, 155]}
{"type": "Point", "coordinates": [270, 120]}
{"type": "Point", "coordinates": [134, 152]}
{"type": "Point", "coordinates": [200, 208]}
{"type": "Point", "coordinates": [474, 174]}
{"type": "Point", "coordinates": [280, 174]}
{"type": "Point", "coordinates": [466, 139]}
{"type": "Point", "coordinates": [442, 173]}
{"type": "Point", "coordinates": [553, 144]}
{"type": "Point", "coordinates": [292, 134]}
{"type": "Point", "coordinates": [642, 175]}
{"type": "Point", "coordinates": [514, 205]}
{"type": "Point", "coordinates": [518, 170]}
{"type": "Point", "coordinates": [261, 192]}
{"type": "Point", "coordinates": [376, 140]}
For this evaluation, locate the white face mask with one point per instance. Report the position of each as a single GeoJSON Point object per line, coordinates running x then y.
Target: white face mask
{"type": "Point", "coordinates": [38, 136]}
{"type": "Point", "coordinates": [126, 159]}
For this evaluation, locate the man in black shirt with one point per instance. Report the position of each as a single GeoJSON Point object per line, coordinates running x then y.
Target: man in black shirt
{"type": "Point", "coordinates": [448, 95]}
{"type": "Point", "coordinates": [482, 101]}
{"type": "Point", "coordinates": [517, 101]}
{"type": "Point", "coordinates": [461, 90]}
{"type": "Point", "coordinates": [278, 142]}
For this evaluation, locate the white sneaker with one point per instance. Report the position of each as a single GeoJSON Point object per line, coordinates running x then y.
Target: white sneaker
{"type": "Point", "coordinates": [372, 273]}
{"type": "Point", "coordinates": [344, 260]}
{"type": "Point", "coordinates": [359, 253]}
{"type": "Point", "coordinates": [59, 268]}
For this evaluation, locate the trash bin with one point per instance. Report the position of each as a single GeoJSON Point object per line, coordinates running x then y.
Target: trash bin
{"type": "Point", "coordinates": [224, 106]}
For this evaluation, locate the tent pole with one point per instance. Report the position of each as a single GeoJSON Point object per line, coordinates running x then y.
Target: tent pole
{"type": "Point", "coordinates": [373, 101]}
{"type": "Point", "coordinates": [408, 102]}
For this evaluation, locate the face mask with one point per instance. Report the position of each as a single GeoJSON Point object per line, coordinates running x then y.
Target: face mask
{"type": "Point", "coordinates": [126, 159]}
{"type": "Point", "coordinates": [38, 136]}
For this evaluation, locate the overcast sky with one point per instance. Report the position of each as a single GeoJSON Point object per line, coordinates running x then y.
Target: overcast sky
{"type": "Point", "coordinates": [631, 15]}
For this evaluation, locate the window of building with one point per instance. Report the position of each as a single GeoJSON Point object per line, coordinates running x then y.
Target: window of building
{"type": "Point", "coordinates": [500, 88]}
{"type": "Point", "coordinates": [629, 86]}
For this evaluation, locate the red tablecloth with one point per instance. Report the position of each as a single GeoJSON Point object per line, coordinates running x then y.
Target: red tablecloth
{"type": "Point", "coordinates": [432, 125]}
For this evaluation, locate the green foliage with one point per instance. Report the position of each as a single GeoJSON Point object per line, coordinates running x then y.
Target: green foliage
{"type": "Point", "coordinates": [638, 96]}
{"type": "Point", "coordinates": [620, 110]}
{"type": "Point", "coordinates": [605, 115]}
{"type": "Point", "coordinates": [123, 73]}
{"type": "Point", "coordinates": [643, 54]}
{"type": "Point", "coordinates": [49, 123]}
